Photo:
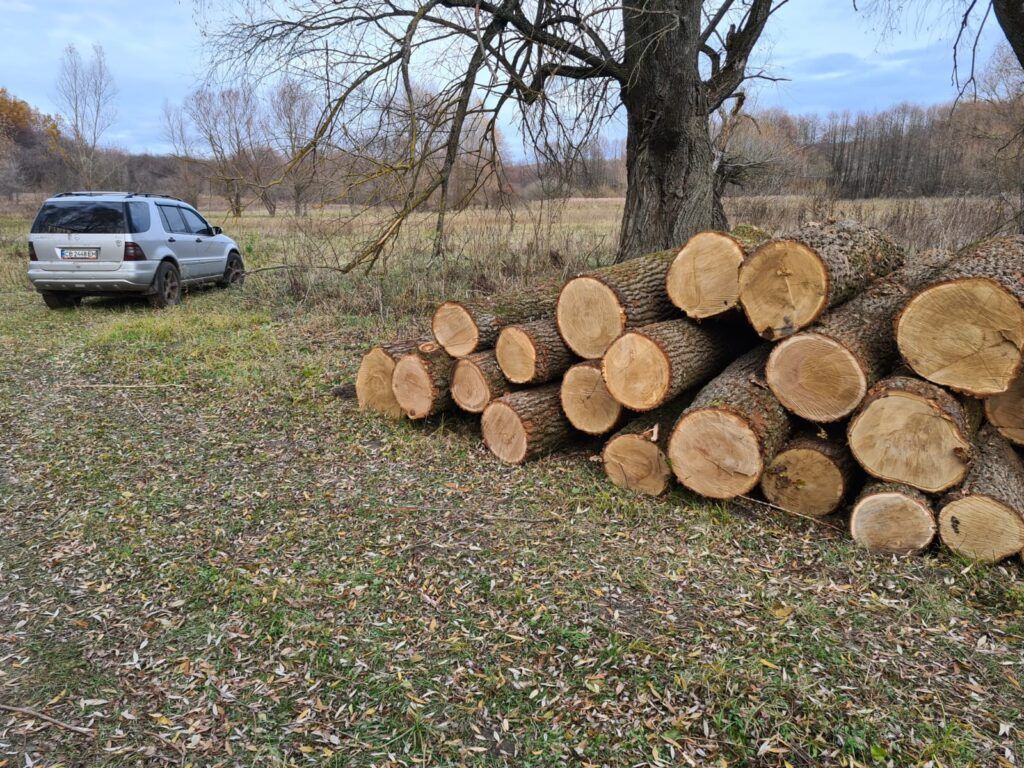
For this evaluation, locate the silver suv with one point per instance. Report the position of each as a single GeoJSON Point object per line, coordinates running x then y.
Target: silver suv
{"type": "Point", "coordinates": [110, 243]}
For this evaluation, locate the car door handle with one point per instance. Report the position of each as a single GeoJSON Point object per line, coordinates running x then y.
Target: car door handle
{"type": "Point", "coordinates": [199, 239]}
{"type": "Point", "coordinates": [171, 240]}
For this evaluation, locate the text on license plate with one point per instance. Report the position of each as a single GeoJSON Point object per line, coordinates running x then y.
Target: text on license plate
{"type": "Point", "coordinates": [78, 253]}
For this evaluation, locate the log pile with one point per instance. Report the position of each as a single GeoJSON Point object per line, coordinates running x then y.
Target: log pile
{"type": "Point", "coordinates": [913, 360]}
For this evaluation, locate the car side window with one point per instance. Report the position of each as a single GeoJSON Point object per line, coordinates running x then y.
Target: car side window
{"type": "Point", "coordinates": [138, 217]}
{"type": "Point", "coordinates": [171, 216]}
{"type": "Point", "coordinates": [196, 223]}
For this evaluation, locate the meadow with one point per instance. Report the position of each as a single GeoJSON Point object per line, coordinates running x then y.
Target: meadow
{"type": "Point", "coordinates": [209, 556]}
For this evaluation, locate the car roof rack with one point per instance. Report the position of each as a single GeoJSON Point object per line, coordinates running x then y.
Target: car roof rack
{"type": "Point", "coordinates": [154, 194]}
{"type": "Point", "coordinates": [96, 193]}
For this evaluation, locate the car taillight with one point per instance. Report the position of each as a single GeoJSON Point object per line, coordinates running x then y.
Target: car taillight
{"type": "Point", "coordinates": [32, 252]}
{"type": "Point", "coordinates": [133, 252]}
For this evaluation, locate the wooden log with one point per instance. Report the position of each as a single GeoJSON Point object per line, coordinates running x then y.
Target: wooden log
{"type": "Point", "coordinates": [822, 374]}
{"type": "Point", "coordinates": [704, 277]}
{"type": "Point", "coordinates": [533, 353]}
{"type": "Point", "coordinates": [477, 380]}
{"type": "Point", "coordinates": [966, 332]}
{"type": "Point", "coordinates": [1005, 411]}
{"type": "Point", "coordinates": [595, 308]}
{"type": "Point", "coordinates": [421, 381]}
{"type": "Point", "coordinates": [373, 381]}
{"type": "Point", "coordinates": [462, 327]}
{"type": "Point", "coordinates": [984, 518]}
{"type": "Point", "coordinates": [786, 284]}
{"type": "Point", "coordinates": [892, 518]}
{"type": "Point", "coordinates": [635, 457]}
{"type": "Point", "coordinates": [647, 367]}
{"type": "Point", "coordinates": [722, 443]}
{"type": "Point", "coordinates": [810, 476]}
{"type": "Point", "coordinates": [586, 401]}
{"type": "Point", "coordinates": [526, 424]}
{"type": "Point", "coordinates": [913, 432]}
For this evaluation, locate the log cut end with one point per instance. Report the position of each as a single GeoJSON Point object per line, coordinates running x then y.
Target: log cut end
{"type": "Point", "coordinates": [715, 453]}
{"type": "Point", "coordinates": [892, 521]}
{"type": "Point", "coordinates": [965, 334]}
{"type": "Point", "coordinates": [373, 383]}
{"type": "Point", "coordinates": [517, 356]}
{"type": "Point", "coordinates": [470, 389]}
{"type": "Point", "coordinates": [804, 481]}
{"type": "Point", "coordinates": [902, 437]}
{"type": "Point", "coordinates": [589, 316]}
{"type": "Point", "coordinates": [455, 329]}
{"type": "Point", "coordinates": [1005, 412]}
{"type": "Point", "coordinates": [637, 371]}
{"type": "Point", "coordinates": [816, 377]}
{"type": "Point", "coordinates": [636, 462]}
{"type": "Point", "coordinates": [981, 528]}
{"type": "Point", "coordinates": [504, 433]}
{"type": "Point", "coordinates": [413, 386]}
{"type": "Point", "coordinates": [783, 288]}
{"type": "Point", "coordinates": [703, 280]}
{"type": "Point", "coordinates": [586, 401]}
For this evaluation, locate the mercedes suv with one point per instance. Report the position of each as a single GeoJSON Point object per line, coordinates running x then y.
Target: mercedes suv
{"type": "Point", "coordinates": [111, 243]}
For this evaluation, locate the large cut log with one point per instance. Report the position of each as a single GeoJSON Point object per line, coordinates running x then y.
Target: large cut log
{"type": "Point", "coordinates": [373, 381]}
{"type": "Point", "coordinates": [704, 277]}
{"type": "Point", "coordinates": [586, 401]}
{"type": "Point", "coordinates": [421, 381]}
{"type": "Point", "coordinates": [722, 443]}
{"type": "Point", "coordinates": [594, 308]}
{"type": "Point", "coordinates": [647, 367]}
{"type": "Point", "coordinates": [967, 331]}
{"type": "Point", "coordinates": [786, 284]}
{"type": "Point", "coordinates": [533, 353]}
{"type": "Point", "coordinates": [810, 476]}
{"type": "Point", "coordinates": [822, 374]}
{"type": "Point", "coordinates": [635, 457]}
{"type": "Point", "coordinates": [892, 518]}
{"type": "Point", "coordinates": [462, 327]}
{"type": "Point", "coordinates": [913, 432]}
{"type": "Point", "coordinates": [1005, 411]}
{"type": "Point", "coordinates": [523, 425]}
{"type": "Point", "coordinates": [984, 518]}
{"type": "Point", "coordinates": [477, 380]}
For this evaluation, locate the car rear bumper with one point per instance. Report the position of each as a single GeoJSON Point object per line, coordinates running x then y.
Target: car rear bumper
{"type": "Point", "coordinates": [130, 277]}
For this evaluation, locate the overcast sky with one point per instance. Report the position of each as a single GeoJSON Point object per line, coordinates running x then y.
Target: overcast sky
{"type": "Point", "coordinates": [833, 57]}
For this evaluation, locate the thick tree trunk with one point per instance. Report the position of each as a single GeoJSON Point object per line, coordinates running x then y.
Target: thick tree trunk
{"type": "Point", "coordinates": [477, 380]}
{"type": "Point", "coordinates": [586, 401]}
{"type": "Point", "coordinates": [984, 518]}
{"type": "Point", "coordinates": [523, 425]}
{"type": "Point", "coordinates": [892, 518]}
{"type": "Point", "coordinates": [670, 182]}
{"type": "Point", "coordinates": [373, 381]}
{"type": "Point", "coordinates": [1010, 15]}
{"type": "Point", "coordinates": [421, 381]}
{"type": "Point", "coordinates": [462, 327]}
{"type": "Point", "coordinates": [810, 476]}
{"type": "Point", "coordinates": [636, 458]}
{"type": "Point", "coordinates": [532, 353]}
{"type": "Point", "coordinates": [1005, 411]}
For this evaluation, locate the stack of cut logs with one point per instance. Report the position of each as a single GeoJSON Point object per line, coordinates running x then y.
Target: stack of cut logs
{"type": "Point", "coordinates": [829, 368]}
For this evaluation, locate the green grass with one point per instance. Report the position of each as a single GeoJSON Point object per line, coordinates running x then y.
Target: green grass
{"type": "Point", "coordinates": [226, 565]}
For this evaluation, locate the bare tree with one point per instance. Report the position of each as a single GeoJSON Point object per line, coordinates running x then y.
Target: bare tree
{"type": "Point", "coordinates": [85, 96]}
{"type": "Point", "coordinates": [1001, 126]}
{"type": "Point", "coordinates": [292, 115]}
{"type": "Point", "coordinates": [178, 133]}
{"type": "Point", "coordinates": [565, 66]}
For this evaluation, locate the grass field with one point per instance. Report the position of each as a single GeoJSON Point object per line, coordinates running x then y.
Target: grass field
{"type": "Point", "coordinates": [207, 558]}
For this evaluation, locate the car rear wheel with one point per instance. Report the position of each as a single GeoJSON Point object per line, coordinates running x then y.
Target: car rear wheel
{"type": "Point", "coordinates": [234, 272]}
{"type": "Point", "coordinates": [59, 300]}
{"type": "Point", "coordinates": [166, 286]}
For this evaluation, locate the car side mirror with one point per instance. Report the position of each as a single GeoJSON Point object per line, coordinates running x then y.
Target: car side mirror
{"type": "Point", "coordinates": [218, 231]}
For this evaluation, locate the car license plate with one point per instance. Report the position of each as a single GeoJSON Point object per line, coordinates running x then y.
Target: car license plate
{"type": "Point", "coordinates": [79, 253]}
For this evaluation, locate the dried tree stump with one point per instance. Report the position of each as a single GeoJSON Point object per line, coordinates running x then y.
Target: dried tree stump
{"type": "Point", "coordinates": [704, 277]}
{"type": "Point", "coordinates": [594, 308]}
{"type": "Point", "coordinates": [892, 518]}
{"type": "Point", "coordinates": [526, 424]}
{"type": "Point", "coordinates": [586, 401]}
{"type": "Point", "coordinates": [984, 518]}
{"type": "Point", "coordinates": [1005, 411]}
{"type": "Point", "coordinates": [462, 327]}
{"type": "Point", "coordinates": [373, 381]}
{"type": "Point", "coordinates": [635, 457]}
{"type": "Point", "coordinates": [913, 432]}
{"type": "Point", "coordinates": [810, 476]}
{"type": "Point", "coordinates": [786, 284]}
{"type": "Point", "coordinates": [533, 353]}
{"type": "Point", "coordinates": [477, 380]}
{"type": "Point", "coordinates": [822, 374]}
{"type": "Point", "coordinates": [722, 443]}
{"type": "Point", "coordinates": [647, 367]}
{"type": "Point", "coordinates": [421, 381]}
{"type": "Point", "coordinates": [967, 331]}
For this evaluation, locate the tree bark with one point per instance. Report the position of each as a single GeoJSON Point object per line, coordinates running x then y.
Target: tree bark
{"type": "Point", "coordinates": [810, 476]}
{"type": "Point", "coordinates": [526, 424]}
{"type": "Point", "coordinates": [421, 381]}
{"type": "Point", "coordinates": [373, 381]}
{"type": "Point", "coordinates": [1010, 15]}
{"type": "Point", "coordinates": [892, 518]}
{"type": "Point", "coordinates": [463, 327]}
{"type": "Point", "coordinates": [533, 353]}
{"type": "Point", "coordinates": [636, 456]}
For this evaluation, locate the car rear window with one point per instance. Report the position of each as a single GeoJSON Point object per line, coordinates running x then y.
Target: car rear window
{"type": "Point", "coordinates": [138, 217]}
{"type": "Point", "coordinates": [94, 218]}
